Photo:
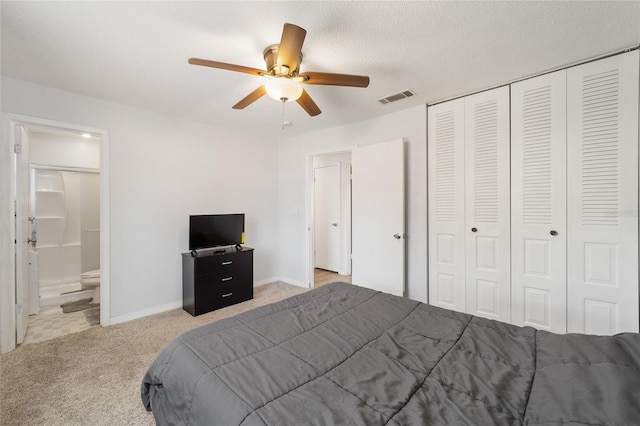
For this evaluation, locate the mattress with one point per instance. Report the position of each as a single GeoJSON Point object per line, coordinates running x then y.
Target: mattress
{"type": "Point", "coordinates": [342, 354]}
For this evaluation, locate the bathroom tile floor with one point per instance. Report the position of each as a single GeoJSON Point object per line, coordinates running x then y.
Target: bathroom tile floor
{"type": "Point", "coordinates": [51, 322]}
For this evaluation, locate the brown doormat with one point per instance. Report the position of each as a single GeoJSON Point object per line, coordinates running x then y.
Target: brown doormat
{"type": "Point", "coordinates": [78, 305]}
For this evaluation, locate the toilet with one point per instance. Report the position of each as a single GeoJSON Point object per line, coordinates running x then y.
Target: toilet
{"type": "Point", "coordinates": [90, 280]}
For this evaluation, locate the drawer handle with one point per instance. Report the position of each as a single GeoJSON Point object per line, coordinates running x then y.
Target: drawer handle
{"type": "Point", "coordinates": [227, 263]}
{"type": "Point", "coordinates": [227, 295]}
{"type": "Point", "coordinates": [227, 279]}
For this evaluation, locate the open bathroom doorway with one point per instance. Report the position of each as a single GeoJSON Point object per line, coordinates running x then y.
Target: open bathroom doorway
{"type": "Point", "coordinates": [64, 225]}
{"type": "Point", "coordinates": [61, 230]}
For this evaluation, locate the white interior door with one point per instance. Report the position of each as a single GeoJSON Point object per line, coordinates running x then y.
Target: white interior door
{"type": "Point", "coordinates": [539, 203]}
{"type": "Point", "coordinates": [446, 205]}
{"type": "Point", "coordinates": [378, 213]}
{"type": "Point", "coordinates": [326, 218]}
{"type": "Point", "coordinates": [487, 199]}
{"type": "Point", "coordinates": [602, 179]}
{"type": "Point", "coordinates": [23, 233]}
{"type": "Point", "coordinates": [89, 221]}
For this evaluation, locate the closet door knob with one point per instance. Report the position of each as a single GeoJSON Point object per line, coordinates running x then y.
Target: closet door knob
{"type": "Point", "coordinates": [474, 229]}
{"type": "Point", "coordinates": [554, 232]}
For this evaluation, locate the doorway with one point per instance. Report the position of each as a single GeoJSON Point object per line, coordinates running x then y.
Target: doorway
{"type": "Point", "coordinates": [64, 255]}
{"type": "Point", "coordinates": [375, 181]}
{"type": "Point", "coordinates": [72, 212]}
{"type": "Point", "coordinates": [64, 229]}
{"type": "Point", "coordinates": [330, 225]}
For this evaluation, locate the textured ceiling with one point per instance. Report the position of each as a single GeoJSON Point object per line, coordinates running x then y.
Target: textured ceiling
{"type": "Point", "coordinates": [136, 53]}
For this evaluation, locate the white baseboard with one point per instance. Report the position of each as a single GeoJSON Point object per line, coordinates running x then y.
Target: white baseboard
{"type": "Point", "coordinates": [265, 281]}
{"type": "Point", "coordinates": [294, 282]}
{"type": "Point", "coordinates": [283, 279]}
{"type": "Point", "coordinates": [145, 312]}
{"type": "Point", "coordinates": [178, 304]}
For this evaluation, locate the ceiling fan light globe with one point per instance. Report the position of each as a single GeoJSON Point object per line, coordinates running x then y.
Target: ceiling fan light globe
{"type": "Point", "coordinates": [283, 88]}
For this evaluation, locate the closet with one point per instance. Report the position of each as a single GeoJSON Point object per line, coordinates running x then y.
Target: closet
{"type": "Point", "coordinates": [539, 202]}
{"type": "Point", "coordinates": [469, 204]}
{"type": "Point", "coordinates": [533, 200]}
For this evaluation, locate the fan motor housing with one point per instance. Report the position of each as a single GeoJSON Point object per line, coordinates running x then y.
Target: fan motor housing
{"type": "Point", "coordinates": [271, 58]}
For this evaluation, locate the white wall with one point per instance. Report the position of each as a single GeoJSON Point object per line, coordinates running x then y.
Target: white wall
{"type": "Point", "coordinates": [411, 125]}
{"type": "Point", "coordinates": [67, 151]}
{"type": "Point", "coordinates": [162, 169]}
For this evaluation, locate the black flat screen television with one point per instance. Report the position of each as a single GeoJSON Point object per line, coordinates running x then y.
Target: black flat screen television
{"type": "Point", "coordinates": [215, 230]}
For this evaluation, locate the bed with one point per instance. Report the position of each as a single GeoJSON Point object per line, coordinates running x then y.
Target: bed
{"type": "Point", "coordinates": [343, 354]}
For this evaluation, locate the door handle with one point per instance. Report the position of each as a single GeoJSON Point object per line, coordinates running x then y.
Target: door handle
{"type": "Point", "coordinates": [334, 224]}
{"type": "Point", "coordinates": [397, 236]}
{"type": "Point", "coordinates": [474, 229]}
{"type": "Point", "coordinates": [553, 232]}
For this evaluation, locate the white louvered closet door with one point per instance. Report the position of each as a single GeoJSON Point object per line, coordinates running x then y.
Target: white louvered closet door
{"type": "Point", "coordinates": [602, 143]}
{"type": "Point", "coordinates": [487, 195]}
{"type": "Point", "coordinates": [538, 202]}
{"type": "Point", "coordinates": [446, 205]}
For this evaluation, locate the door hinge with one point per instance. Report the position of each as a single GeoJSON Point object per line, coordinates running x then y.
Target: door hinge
{"type": "Point", "coordinates": [17, 148]}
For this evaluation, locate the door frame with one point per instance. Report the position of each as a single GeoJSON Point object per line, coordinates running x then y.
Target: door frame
{"type": "Point", "coordinates": [345, 234]}
{"type": "Point", "coordinates": [7, 229]}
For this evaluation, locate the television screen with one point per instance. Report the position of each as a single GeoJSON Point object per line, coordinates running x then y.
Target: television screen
{"type": "Point", "coordinates": [215, 230]}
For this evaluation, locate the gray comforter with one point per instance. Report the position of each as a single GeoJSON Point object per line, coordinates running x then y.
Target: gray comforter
{"type": "Point", "coordinates": [343, 354]}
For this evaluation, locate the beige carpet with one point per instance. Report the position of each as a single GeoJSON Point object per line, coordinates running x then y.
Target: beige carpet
{"type": "Point", "coordinates": [93, 377]}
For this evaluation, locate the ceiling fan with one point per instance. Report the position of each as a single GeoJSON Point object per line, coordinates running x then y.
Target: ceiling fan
{"type": "Point", "coordinates": [283, 73]}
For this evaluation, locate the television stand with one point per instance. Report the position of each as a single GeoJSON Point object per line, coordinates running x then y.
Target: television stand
{"type": "Point", "coordinates": [213, 279]}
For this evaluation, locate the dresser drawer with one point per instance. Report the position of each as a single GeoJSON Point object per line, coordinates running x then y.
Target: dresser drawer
{"type": "Point", "coordinates": [223, 266]}
{"type": "Point", "coordinates": [212, 296]}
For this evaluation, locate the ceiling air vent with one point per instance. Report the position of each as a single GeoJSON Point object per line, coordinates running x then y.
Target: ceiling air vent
{"type": "Point", "coordinates": [396, 96]}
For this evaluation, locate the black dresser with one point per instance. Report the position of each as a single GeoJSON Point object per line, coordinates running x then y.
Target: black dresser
{"type": "Point", "coordinates": [213, 279]}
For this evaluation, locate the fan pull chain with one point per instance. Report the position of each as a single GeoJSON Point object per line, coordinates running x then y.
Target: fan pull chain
{"type": "Point", "coordinates": [284, 101]}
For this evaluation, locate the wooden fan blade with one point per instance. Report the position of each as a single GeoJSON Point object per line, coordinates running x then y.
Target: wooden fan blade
{"type": "Point", "coordinates": [251, 98]}
{"type": "Point", "coordinates": [225, 66]}
{"type": "Point", "coordinates": [307, 104]}
{"type": "Point", "coordinates": [291, 46]}
{"type": "Point", "coordinates": [329, 79]}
